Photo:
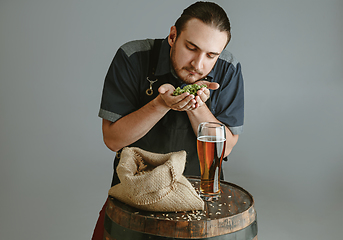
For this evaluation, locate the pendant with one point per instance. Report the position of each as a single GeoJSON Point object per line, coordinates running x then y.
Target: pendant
{"type": "Point", "coordinates": [149, 91]}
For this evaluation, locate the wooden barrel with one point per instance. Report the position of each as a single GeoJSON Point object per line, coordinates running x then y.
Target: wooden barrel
{"type": "Point", "coordinates": [233, 216]}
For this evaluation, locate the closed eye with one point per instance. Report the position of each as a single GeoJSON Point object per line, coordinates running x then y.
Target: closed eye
{"type": "Point", "coordinates": [191, 48]}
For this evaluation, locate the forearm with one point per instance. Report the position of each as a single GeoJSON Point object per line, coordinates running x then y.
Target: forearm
{"type": "Point", "coordinates": [133, 126]}
{"type": "Point", "coordinates": [203, 114]}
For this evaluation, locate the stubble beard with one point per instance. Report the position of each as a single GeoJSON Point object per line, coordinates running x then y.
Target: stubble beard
{"type": "Point", "coordinates": [189, 78]}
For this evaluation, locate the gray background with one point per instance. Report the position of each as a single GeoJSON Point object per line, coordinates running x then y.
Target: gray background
{"type": "Point", "coordinates": [55, 170]}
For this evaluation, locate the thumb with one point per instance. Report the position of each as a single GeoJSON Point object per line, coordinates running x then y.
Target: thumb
{"type": "Point", "coordinates": [213, 85]}
{"type": "Point", "coordinates": [165, 88]}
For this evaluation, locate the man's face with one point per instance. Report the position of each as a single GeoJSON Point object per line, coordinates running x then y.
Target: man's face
{"type": "Point", "coordinates": [195, 51]}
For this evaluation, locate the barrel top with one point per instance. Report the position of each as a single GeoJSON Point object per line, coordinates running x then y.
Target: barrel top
{"type": "Point", "coordinates": [233, 211]}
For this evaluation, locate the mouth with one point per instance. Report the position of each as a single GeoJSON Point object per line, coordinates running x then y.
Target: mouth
{"type": "Point", "coordinates": [193, 71]}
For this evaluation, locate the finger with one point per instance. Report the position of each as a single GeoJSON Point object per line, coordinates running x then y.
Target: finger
{"type": "Point", "coordinates": [190, 106]}
{"type": "Point", "coordinates": [185, 104]}
{"type": "Point", "coordinates": [181, 99]}
{"type": "Point", "coordinates": [188, 103]}
{"type": "Point", "coordinates": [203, 94]}
{"type": "Point", "coordinates": [195, 106]}
{"type": "Point", "coordinates": [199, 101]}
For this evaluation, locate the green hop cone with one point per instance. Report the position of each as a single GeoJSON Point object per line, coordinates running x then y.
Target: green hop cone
{"type": "Point", "coordinates": [192, 89]}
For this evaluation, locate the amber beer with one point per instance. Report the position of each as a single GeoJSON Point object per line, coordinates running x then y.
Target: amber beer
{"type": "Point", "coordinates": [210, 153]}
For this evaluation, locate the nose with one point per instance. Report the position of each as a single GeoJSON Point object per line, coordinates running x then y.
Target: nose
{"type": "Point", "coordinates": [198, 62]}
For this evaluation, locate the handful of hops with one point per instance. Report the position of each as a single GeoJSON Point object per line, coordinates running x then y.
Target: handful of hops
{"type": "Point", "coordinates": [192, 89]}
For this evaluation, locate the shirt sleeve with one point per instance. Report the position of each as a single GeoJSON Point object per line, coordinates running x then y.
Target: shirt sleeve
{"type": "Point", "coordinates": [120, 92]}
{"type": "Point", "coordinates": [228, 100]}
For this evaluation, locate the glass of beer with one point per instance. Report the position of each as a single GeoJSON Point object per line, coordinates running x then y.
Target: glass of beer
{"type": "Point", "coordinates": [211, 143]}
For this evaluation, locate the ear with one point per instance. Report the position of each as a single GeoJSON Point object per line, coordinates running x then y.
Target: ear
{"type": "Point", "coordinates": [172, 36]}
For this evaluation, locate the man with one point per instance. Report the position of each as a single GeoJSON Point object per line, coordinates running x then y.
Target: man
{"type": "Point", "coordinates": [140, 110]}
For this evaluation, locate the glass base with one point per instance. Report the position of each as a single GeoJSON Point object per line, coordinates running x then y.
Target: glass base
{"type": "Point", "coordinates": [209, 197]}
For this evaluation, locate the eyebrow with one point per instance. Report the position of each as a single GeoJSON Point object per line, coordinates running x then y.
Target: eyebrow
{"type": "Point", "coordinates": [194, 45]}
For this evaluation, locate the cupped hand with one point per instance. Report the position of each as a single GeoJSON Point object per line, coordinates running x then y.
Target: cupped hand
{"type": "Point", "coordinates": [183, 102]}
{"type": "Point", "coordinates": [186, 101]}
{"type": "Point", "coordinates": [204, 93]}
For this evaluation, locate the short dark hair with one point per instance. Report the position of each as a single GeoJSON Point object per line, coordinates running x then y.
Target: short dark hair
{"type": "Point", "coordinates": [209, 13]}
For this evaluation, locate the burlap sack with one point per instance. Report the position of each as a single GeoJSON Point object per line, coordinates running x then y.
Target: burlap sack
{"type": "Point", "coordinates": [154, 182]}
